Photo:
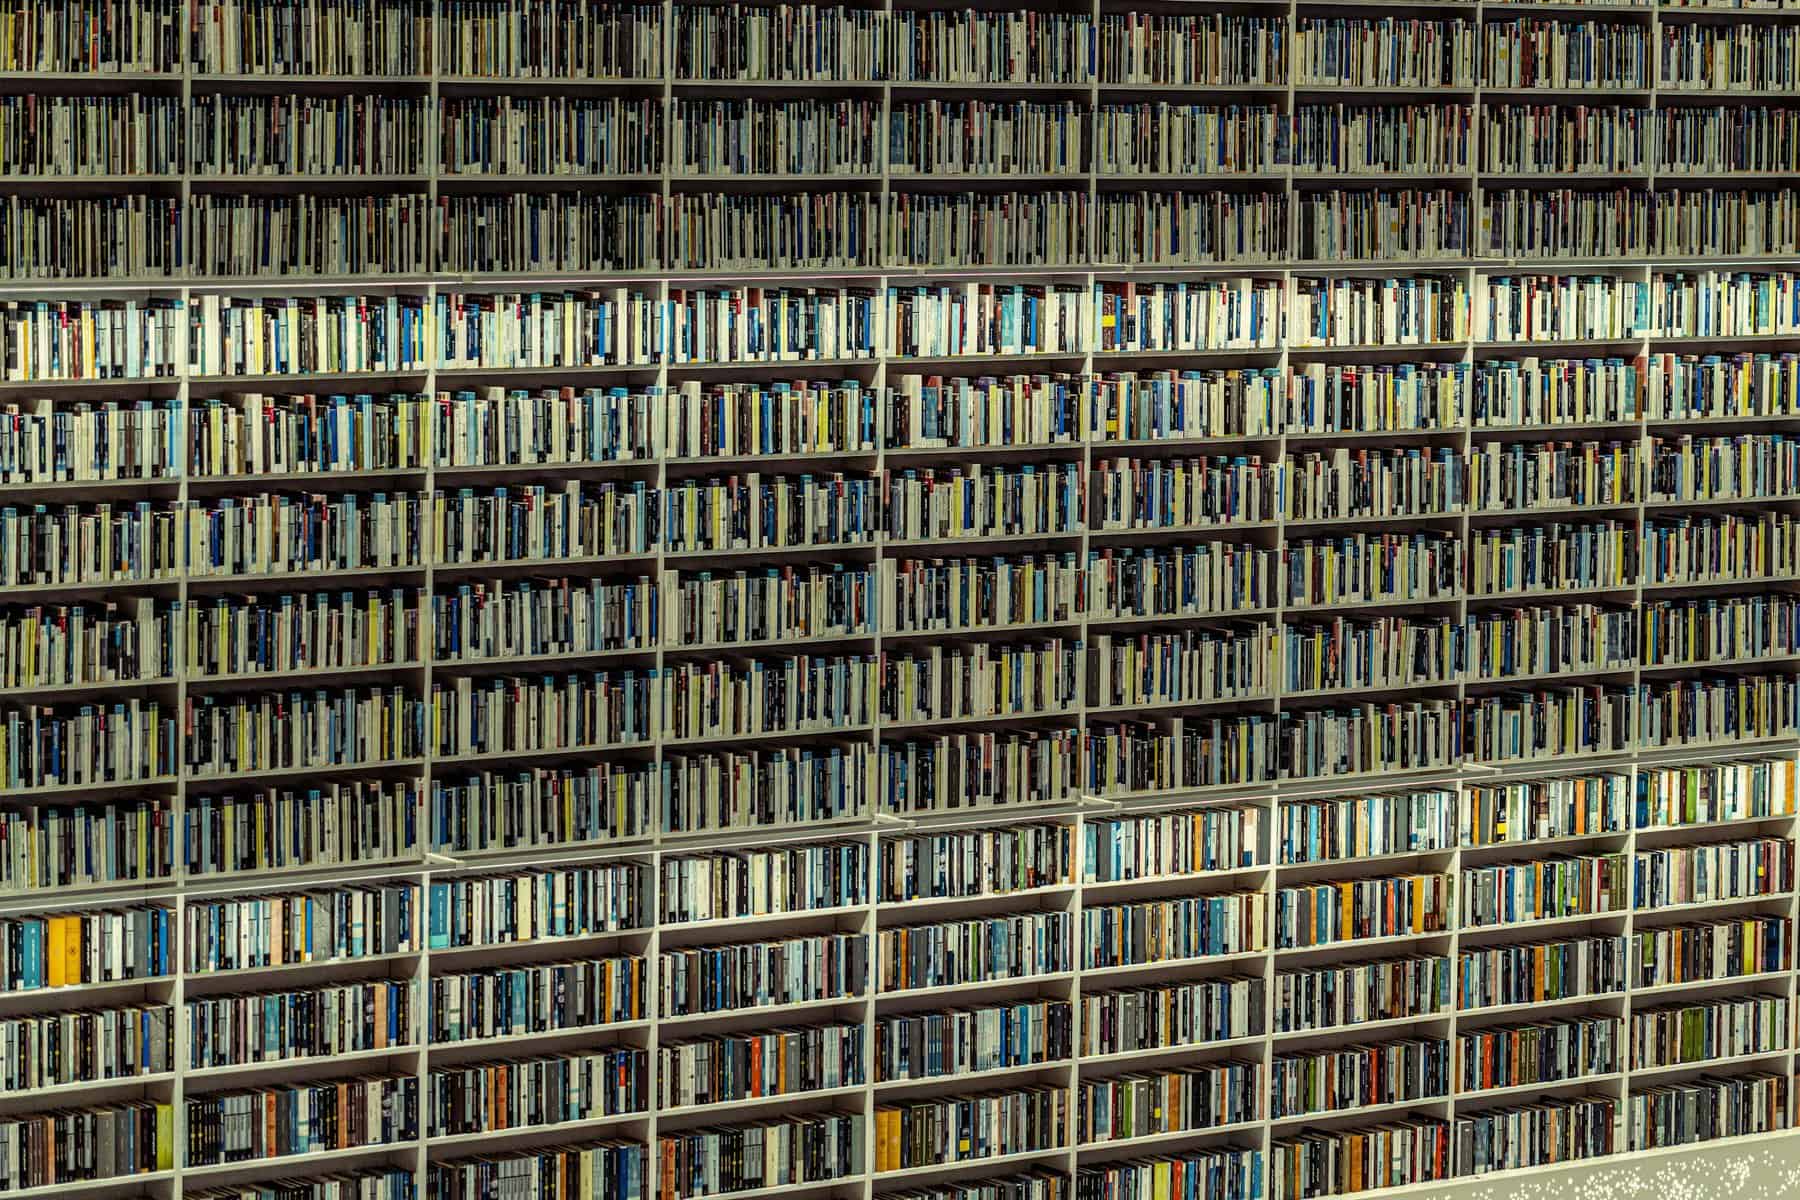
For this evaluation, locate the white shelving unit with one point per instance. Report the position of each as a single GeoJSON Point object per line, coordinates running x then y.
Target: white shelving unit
{"type": "Point", "coordinates": [423, 864]}
{"type": "Point", "coordinates": [871, 1003]}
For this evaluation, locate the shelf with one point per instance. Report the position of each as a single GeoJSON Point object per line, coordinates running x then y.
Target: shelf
{"type": "Point", "coordinates": [468, 956]}
{"type": "Point", "coordinates": [1125, 1058]}
{"type": "Point", "coordinates": [1125, 972]}
{"type": "Point", "coordinates": [954, 991]}
{"type": "Point", "coordinates": [984, 1165]}
{"type": "Point", "coordinates": [756, 1106]}
{"type": "Point", "coordinates": [1675, 991]}
{"type": "Point", "coordinates": [287, 1161]}
{"type": "Point", "coordinates": [1150, 1140]}
{"type": "Point", "coordinates": [499, 1044]}
{"type": "Point", "coordinates": [115, 1183]}
{"type": "Point", "coordinates": [1708, 1064]}
{"type": "Point", "coordinates": [1707, 906]}
{"type": "Point", "coordinates": [288, 1068]}
{"type": "Point", "coordinates": [60, 1095]}
{"type": "Point", "coordinates": [215, 779]}
{"type": "Point", "coordinates": [999, 904]}
{"type": "Point", "coordinates": [1160, 886]}
{"type": "Point", "coordinates": [275, 973]}
{"type": "Point", "coordinates": [496, 1139]}
{"type": "Point", "coordinates": [1530, 925]}
{"type": "Point", "coordinates": [1358, 945]}
{"type": "Point", "coordinates": [770, 1012]}
{"type": "Point", "coordinates": [970, 1079]}
{"type": "Point", "coordinates": [707, 931]}
{"type": "Point", "coordinates": [1531, 1008]}
{"type": "Point", "coordinates": [1300, 1120]}
{"type": "Point", "coordinates": [1359, 1027]}
{"type": "Point", "coordinates": [1526, 1091]}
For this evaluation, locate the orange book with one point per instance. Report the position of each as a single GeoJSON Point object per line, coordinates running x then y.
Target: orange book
{"type": "Point", "coordinates": [343, 1108]}
{"type": "Point", "coordinates": [668, 1169]}
{"type": "Point", "coordinates": [756, 1062]}
{"type": "Point", "coordinates": [501, 1083]}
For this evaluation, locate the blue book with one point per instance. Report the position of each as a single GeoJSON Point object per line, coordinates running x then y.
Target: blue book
{"type": "Point", "coordinates": [32, 950]}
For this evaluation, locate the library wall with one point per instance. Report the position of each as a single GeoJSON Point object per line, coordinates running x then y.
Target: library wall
{"type": "Point", "coordinates": [1111, 600]}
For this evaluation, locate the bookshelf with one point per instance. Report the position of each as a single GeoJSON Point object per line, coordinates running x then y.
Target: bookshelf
{"type": "Point", "coordinates": [1233, 658]}
{"type": "Point", "coordinates": [407, 121]}
{"type": "Point", "coordinates": [700, 610]}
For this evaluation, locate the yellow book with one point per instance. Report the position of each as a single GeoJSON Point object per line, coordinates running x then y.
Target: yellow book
{"type": "Point", "coordinates": [55, 962]}
{"type": "Point", "coordinates": [887, 1149]}
{"type": "Point", "coordinates": [165, 1137]}
{"type": "Point", "coordinates": [72, 950]}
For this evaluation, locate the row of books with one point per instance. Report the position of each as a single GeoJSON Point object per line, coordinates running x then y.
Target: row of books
{"type": "Point", "coordinates": [1536, 972]}
{"type": "Point", "coordinates": [258, 434]}
{"type": "Point", "coordinates": [301, 1119]}
{"type": "Point", "coordinates": [72, 1145]}
{"type": "Point", "coordinates": [1543, 1052]}
{"type": "Point", "coordinates": [375, 821]}
{"type": "Point", "coordinates": [72, 746]}
{"type": "Point", "coordinates": [297, 434]}
{"type": "Point", "coordinates": [770, 43]}
{"type": "Point", "coordinates": [1709, 1107]}
{"type": "Point", "coordinates": [317, 37]}
{"type": "Point", "coordinates": [801, 1150]}
{"type": "Point", "coordinates": [1334, 995]}
{"type": "Point", "coordinates": [1125, 1021]}
{"type": "Point", "coordinates": [237, 1030]}
{"type": "Point", "coordinates": [1357, 1076]}
{"type": "Point", "coordinates": [296, 929]}
{"type": "Point", "coordinates": [1540, 1134]}
{"type": "Point", "coordinates": [266, 533]}
{"type": "Point", "coordinates": [1678, 1035]}
{"type": "Point", "coordinates": [343, 136]}
{"type": "Point", "coordinates": [235, 236]}
{"type": "Point", "coordinates": [778, 44]}
{"type": "Point", "coordinates": [1142, 1105]}
{"type": "Point", "coordinates": [484, 135]}
{"type": "Point", "coordinates": [1735, 58]}
{"type": "Point", "coordinates": [928, 1132]}
{"type": "Point", "coordinates": [520, 1094]}
{"type": "Point", "coordinates": [308, 434]}
{"type": "Point", "coordinates": [270, 1027]}
{"type": "Point", "coordinates": [1118, 935]}
{"type": "Point", "coordinates": [366, 1017]}
{"type": "Point", "coordinates": [801, 136]}
{"type": "Point", "coordinates": [745, 1066]}
{"type": "Point", "coordinates": [820, 1150]}
{"type": "Point", "coordinates": [336, 333]}
{"type": "Point", "coordinates": [350, 135]}
{"type": "Point", "coordinates": [54, 1050]}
